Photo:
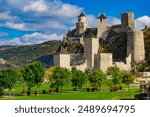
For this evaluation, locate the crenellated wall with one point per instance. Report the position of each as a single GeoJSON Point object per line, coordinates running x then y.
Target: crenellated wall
{"type": "Point", "coordinates": [103, 61]}
{"type": "Point", "coordinates": [62, 60]}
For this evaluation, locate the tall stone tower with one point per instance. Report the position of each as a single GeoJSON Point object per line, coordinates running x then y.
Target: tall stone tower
{"type": "Point", "coordinates": [127, 19]}
{"type": "Point", "coordinates": [91, 45]}
{"type": "Point", "coordinates": [135, 45]}
{"type": "Point", "coordinates": [135, 38]}
{"type": "Point", "coordinates": [102, 25]}
{"type": "Point", "coordinates": [81, 25]}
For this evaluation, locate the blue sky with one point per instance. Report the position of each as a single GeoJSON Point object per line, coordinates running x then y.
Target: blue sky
{"type": "Point", "coordinates": [25, 22]}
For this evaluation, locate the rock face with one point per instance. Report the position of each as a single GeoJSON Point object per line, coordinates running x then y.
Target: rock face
{"type": "Point", "coordinates": [2, 61]}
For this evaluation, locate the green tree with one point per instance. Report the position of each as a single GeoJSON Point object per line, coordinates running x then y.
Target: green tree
{"type": "Point", "coordinates": [115, 74]}
{"type": "Point", "coordinates": [33, 74]}
{"type": "Point", "coordinates": [78, 78]}
{"type": "Point", "coordinates": [97, 78]}
{"type": "Point", "coordinates": [127, 78]}
{"type": "Point", "coordinates": [61, 76]}
{"type": "Point", "coordinates": [9, 79]}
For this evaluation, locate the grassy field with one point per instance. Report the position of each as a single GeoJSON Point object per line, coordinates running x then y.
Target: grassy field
{"type": "Point", "coordinates": [68, 94]}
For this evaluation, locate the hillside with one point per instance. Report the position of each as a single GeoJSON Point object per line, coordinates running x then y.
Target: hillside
{"type": "Point", "coordinates": [19, 55]}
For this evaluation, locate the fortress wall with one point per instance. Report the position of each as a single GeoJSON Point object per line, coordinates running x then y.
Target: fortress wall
{"type": "Point", "coordinates": [62, 60]}
{"type": "Point", "coordinates": [91, 46]}
{"type": "Point", "coordinates": [124, 66]}
{"type": "Point", "coordinates": [82, 67]}
{"type": "Point", "coordinates": [105, 61]}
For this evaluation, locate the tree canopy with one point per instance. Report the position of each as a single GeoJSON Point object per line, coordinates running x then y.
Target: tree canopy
{"type": "Point", "coordinates": [61, 76]}
{"type": "Point", "coordinates": [97, 78]}
{"type": "Point", "coordinates": [78, 78]}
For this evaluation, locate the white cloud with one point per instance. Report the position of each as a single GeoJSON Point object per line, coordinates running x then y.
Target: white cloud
{"type": "Point", "coordinates": [5, 16]}
{"type": "Point", "coordinates": [36, 6]}
{"type": "Point", "coordinates": [113, 21]}
{"type": "Point", "coordinates": [92, 20]}
{"type": "Point", "coordinates": [29, 39]}
{"type": "Point", "coordinates": [17, 26]}
{"type": "Point", "coordinates": [67, 10]}
{"type": "Point", "coordinates": [141, 22]}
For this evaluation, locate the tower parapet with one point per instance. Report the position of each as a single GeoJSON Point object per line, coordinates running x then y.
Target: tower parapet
{"type": "Point", "coordinates": [127, 19]}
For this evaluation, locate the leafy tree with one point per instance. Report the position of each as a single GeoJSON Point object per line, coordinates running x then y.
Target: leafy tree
{"type": "Point", "coordinates": [9, 79]}
{"type": "Point", "coordinates": [33, 74]}
{"type": "Point", "coordinates": [115, 74]}
{"type": "Point", "coordinates": [78, 78]}
{"type": "Point", "coordinates": [61, 76]}
{"type": "Point", "coordinates": [97, 78]}
{"type": "Point", "coordinates": [127, 78]}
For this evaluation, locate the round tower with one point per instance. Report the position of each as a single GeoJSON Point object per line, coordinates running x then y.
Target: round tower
{"type": "Point", "coordinates": [81, 25]}
{"type": "Point", "coordinates": [135, 45]}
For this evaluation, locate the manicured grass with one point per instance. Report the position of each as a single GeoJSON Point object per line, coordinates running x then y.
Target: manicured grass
{"type": "Point", "coordinates": [68, 94]}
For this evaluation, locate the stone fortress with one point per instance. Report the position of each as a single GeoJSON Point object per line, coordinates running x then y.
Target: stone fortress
{"type": "Point", "coordinates": [93, 56]}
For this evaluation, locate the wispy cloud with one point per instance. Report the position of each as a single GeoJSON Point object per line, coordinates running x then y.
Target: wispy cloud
{"type": "Point", "coordinates": [30, 39]}
{"type": "Point", "coordinates": [143, 21]}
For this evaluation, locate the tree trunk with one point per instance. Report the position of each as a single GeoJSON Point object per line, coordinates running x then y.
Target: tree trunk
{"type": "Point", "coordinates": [9, 93]}
{"type": "Point", "coordinates": [37, 93]}
{"type": "Point", "coordinates": [61, 89]}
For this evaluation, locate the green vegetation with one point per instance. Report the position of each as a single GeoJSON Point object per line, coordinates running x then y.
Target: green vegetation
{"type": "Point", "coordinates": [20, 55]}
{"type": "Point", "coordinates": [8, 79]}
{"type": "Point", "coordinates": [33, 74]}
{"type": "Point", "coordinates": [60, 77]}
{"type": "Point", "coordinates": [69, 94]}
{"type": "Point", "coordinates": [64, 84]}
{"type": "Point", "coordinates": [97, 78]}
{"type": "Point", "coordinates": [78, 78]}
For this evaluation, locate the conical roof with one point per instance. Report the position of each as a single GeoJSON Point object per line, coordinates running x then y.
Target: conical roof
{"type": "Point", "coordinates": [81, 15]}
{"type": "Point", "coordinates": [102, 16]}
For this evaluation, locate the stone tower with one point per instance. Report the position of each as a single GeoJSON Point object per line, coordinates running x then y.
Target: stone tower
{"type": "Point", "coordinates": [81, 25]}
{"type": "Point", "coordinates": [62, 60]}
{"type": "Point", "coordinates": [102, 25]}
{"type": "Point", "coordinates": [127, 19]}
{"type": "Point", "coordinates": [91, 45]}
{"type": "Point", "coordinates": [135, 45]}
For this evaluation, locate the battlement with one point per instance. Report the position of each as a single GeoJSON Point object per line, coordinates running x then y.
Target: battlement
{"type": "Point", "coordinates": [127, 19]}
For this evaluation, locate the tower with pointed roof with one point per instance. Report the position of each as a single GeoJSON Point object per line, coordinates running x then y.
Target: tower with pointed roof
{"type": "Point", "coordinates": [102, 25]}
{"type": "Point", "coordinates": [82, 24]}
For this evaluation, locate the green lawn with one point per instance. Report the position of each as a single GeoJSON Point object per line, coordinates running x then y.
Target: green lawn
{"type": "Point", "coordinates": [68, 94]}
